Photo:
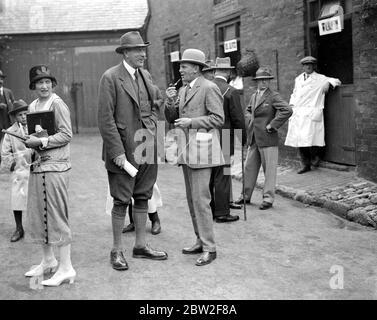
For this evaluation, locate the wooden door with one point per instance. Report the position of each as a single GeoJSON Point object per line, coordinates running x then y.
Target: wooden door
{"type": "Point", "coordinates": [89, 63]}
{"type": "Point", "coordinates": [339, 117]}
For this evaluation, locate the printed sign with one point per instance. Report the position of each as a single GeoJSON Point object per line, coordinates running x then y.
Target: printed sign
{"type": "Point", "coordinates": [330, 25]}
{"type": "Point", "coordinates": [230, 46]}
{"type": "Point", "coordinates": [174, 56]}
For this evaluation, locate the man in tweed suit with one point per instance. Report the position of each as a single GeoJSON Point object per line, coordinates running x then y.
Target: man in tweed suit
{"type": "Point", "coordinates": [199, 106]}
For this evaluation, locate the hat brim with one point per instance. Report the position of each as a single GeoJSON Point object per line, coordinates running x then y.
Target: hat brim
{"type": "Point", "coordinates": [193, 62]}
{"type": "Point", "coordinates": [39, 77]}
{"type": "Point", "coordinates": [309, 62]}
{"type": "Point", "coordinates": [223, 68]}
{"type": "Point", "coordinates": [263, 77]}
{"type": "Point", "coordinates": [23, 108]}
{"type": "Point", "coordinates": [130, 46]}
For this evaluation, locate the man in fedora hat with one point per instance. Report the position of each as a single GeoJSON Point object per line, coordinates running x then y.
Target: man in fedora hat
{"type": "Point", "coordinates": [265, 114]}
{"type": "Point", "coordinates": [6, 100]}
{"type": "Point", "coordinates": [128, 103]}
{"type": "Point", "coordinates": [306, 130]}
{"type": "Point", "coordinates": [197, 107]}
{"type": "Point", "coordinates": [17, 158]}
{"type": "Point", "coordinates": [221, 179]}
{"type": "Point", "coordinates": [209, 71]}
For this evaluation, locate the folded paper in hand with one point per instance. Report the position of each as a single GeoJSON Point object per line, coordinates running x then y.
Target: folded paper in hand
{"type": "Point", "coordinates": [130, 169]}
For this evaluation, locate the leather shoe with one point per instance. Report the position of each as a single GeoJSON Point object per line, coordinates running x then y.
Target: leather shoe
{"type": "Point", "coordinates": [156, 227]}
{"type": "Point", "coordinates": [148, 253]}
{"type": "Point", "coordinates": [117, 260]}
{"type": "Point", "coordinates": [17, 235]}
{"type": "Point", "coordinates": [227, 218]}
{"type": "Point", "coordinates": [206, 258]}
{"type": "Point", "coordinates": [129, 228]}
{"type": "Point", "coordinates": [240, 201]}
{"type": "Point", "coordinates": [196, 248]}
{"type": "Point", "coordinates": [304, 169]}
{"type": "Point", "coordinates": [232, 205]}
{"type": "Point", "coordinates": [265, 205]}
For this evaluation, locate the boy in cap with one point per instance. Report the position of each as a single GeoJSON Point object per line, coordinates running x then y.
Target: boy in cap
{"type": "Point", "coordinates": [17, 159]}
{"type": "Point", "coordinates": [306, 129]}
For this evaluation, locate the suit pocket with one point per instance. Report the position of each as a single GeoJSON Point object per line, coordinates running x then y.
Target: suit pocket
{"type": "Point", "coordinates": [316, 115]}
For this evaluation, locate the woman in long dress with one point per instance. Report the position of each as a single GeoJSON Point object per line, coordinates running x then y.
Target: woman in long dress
{"type": "Point", "coordinates": [49, 178]}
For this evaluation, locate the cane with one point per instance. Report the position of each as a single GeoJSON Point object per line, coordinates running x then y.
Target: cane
{"type": "Point", "coordinates": [243, 185]}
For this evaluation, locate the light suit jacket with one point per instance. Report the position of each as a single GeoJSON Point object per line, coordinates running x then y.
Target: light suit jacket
{"type": "Point", "coordinates": [199, 146]}
{"type": "Point", "coordinates": [120, 115]}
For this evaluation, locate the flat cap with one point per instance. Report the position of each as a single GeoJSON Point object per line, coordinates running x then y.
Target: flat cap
{"type": "Point", "coordinates": [308, 59]}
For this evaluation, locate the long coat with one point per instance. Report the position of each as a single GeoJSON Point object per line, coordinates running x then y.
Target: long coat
{"type": "Point", "coordinates": [199, 147]}
{"type": "Point", "coordinates": [306, 126]}
{"type": "Point", "coordinates": [269, 109]}
{"type": "Point", "coordinates": [233, 113]}
{"type": "Point", "coordinates": [5, 120]}
{"type": "Point", "coordinates": [120, 115]}
{"type": "Point", "coordinates": [14, 151]}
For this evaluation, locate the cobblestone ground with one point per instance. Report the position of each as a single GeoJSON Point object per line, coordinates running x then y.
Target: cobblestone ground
{"type": "Point", "coordinates": [289, 252]}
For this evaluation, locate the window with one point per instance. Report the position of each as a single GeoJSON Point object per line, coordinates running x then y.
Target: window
{"type": "Point", "coordinates": [225, 33]}
{"type": "Point", "coordinates": [333, 51]}
{"type": "Point", "coordinates": [172, 48]}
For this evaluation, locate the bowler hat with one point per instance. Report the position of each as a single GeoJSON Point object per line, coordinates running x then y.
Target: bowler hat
{"type": "Point", "coordinates": [210, 64]}
{"type": "Point", "coordinates": [39, 72]}
{"type": "Point", "coordinates": [194, 56]}
{"type": "Point", "coordinates": [131, 39]}
{"type": "Point", "coordinates": [308, 60]}
{"type": "Point", "coordinates": [18, 105]}
{"type": "Point", "coordinates": [223, 63]}
{"type": "Point", "coordinates": [2, 75]}
{"type": "Point", "coordinates": [263, 73]}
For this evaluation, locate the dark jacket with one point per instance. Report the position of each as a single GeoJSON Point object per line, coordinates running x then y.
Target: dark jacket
{"type": "Point", "coordinates": [233, 112]}
{"type": "Point", "coordinates": [6, 102]}
{"type": "Point", "coordinates": [120, 116]}
{"type": "Point", "coordinates": [270, 109]}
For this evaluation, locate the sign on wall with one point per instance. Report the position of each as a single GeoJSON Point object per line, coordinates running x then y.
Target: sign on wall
{"type": "Point", "coordinates": [230, 46]}
{"type": "Point", "coordinates": [174, 56]}
{"type": "Point", "coordinates": [330, 25]}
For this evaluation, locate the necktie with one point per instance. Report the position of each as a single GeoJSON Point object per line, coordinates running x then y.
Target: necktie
{"type": "Point", "coordinates": [136, 74]}
{"type": "Point", "coordinates": [306, 76]}
{"type": "Point", "coordinates": [187, 91]}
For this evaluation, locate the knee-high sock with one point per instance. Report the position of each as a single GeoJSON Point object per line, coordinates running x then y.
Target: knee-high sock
{"type": "Point", "coordinates": [118, 216]}
{"type": "Point", "coordinates": [140, 219]}
{"type": "Point", "coordinates": [18, 218]}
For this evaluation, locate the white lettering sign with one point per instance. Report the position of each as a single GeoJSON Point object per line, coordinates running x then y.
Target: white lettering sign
{"type": "Point", "coordinates": [330, 25]}
{"type": "Point", "coordinates": [174, 56]}
{"type": "Point", "coordinates": [230, 46]}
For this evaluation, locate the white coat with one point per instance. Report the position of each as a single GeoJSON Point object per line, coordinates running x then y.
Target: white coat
{"type": "Point", "coordinates": [14, 150]}
{"type": "Point", "coordinates": [306, 126]}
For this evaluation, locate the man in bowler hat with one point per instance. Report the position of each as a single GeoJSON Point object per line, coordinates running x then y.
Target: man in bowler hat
{"type": "Point", "coordinates": [265, 114]}
{"type": "Point", "coordinates": [197, 112]}
{"type": "Point", "coordinates": [6, 101]}
{"type": "Point", "coordinates": [221, 179]}
{"type": "Point", "coordinates": [129, 102]}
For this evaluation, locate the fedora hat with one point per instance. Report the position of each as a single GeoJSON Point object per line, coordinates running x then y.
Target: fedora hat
{"type": "Point", "coordinates": [2, 75]}
{"type": "Point", "coordinates": [263, 73]}
{"type": "Point", "coordinates": [131, 39]}
{"type": "Point", "coordinates": [40, 72]}
{"type": "Point", "coordinates": [223, 63]}
{"type": "Point", "coordinates": [210, 64]}
{"type": "Point", "coordinates": [194, 56]}
{"type": "Point", "coordinates": [18, 105]}
{"type": "Point", "coordinates": [308, 60]}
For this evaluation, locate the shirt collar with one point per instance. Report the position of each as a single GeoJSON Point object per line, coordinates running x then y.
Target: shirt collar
{"type": "Point", "coordinates": [221, 77]}
{"type": "Point", "coordinates": [191, 84]}
{"type": "Point", "coordinates": [130, 69]}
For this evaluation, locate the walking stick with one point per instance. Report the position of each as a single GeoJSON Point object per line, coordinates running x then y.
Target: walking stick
{"type": "Point", "coordinates": [243, 185]}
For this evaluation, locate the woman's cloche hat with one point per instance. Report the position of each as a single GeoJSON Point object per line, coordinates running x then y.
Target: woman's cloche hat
{"type": "Point", "coordinates": [18, 105]}
{"type": "Point", "coordinates": [131, 39]}
{"type": "Point", "coordinates": [194, 56]}
{"type": "Point", "coordinates": [39, 72]}
{"type": "Point", "coordinates": [263, 73]}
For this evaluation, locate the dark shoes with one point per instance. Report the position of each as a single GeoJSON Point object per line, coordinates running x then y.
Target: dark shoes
{"type": "Point", "coordinates": [149, 253]}
{"type": "Point", "coordinates": [227, 218]}
{"type": "Point", "coordinates": [196, 248]}
{"type": "Point", "coordinates": [240, 201]}
{"type": "Point", "coordinates": [316, 161]}
{"type": "Point", "coordinates": [156, 226]}
{"type": "Point", "coordinates": [129, 228]}
{"type": "Point", "coordinates": [17, 235]}
{"type": "Point", "coordinates": [232, 205]}
{"type": "Point", "coordinates": [206, 258]}
{"type": "Point", "coordinates": [304, 169]}
{"type": "Point", "coordinates": [265, 205]}
{"type": "Point", "coordinates": [117, 260]}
